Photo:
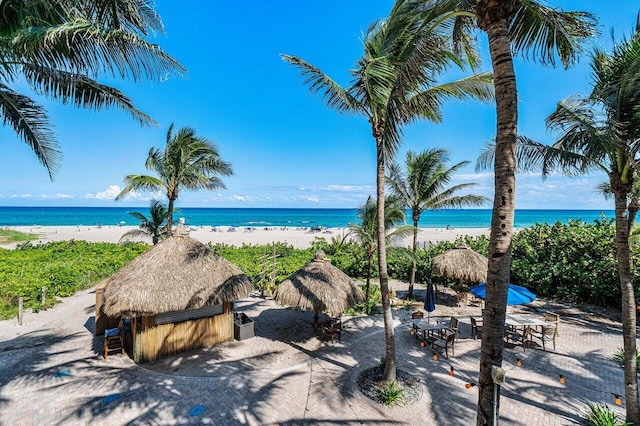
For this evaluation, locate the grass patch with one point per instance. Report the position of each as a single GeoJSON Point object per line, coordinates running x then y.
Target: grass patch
{"type": "Point", "coordinates": [10, 236]}
{"type": "Point", "coordinates": [392, 394]}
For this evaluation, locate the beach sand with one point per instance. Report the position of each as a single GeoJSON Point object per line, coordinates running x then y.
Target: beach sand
{"type": "Point", "coordinates": [297, 237]}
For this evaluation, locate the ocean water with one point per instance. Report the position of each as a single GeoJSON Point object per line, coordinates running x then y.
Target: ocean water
{"type": "Point", "coordinates": [263, 217]}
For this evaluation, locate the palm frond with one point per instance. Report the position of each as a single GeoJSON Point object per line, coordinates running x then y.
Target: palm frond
{"type": "Point", "coordinates": [542, 33]}
{"type": "Point", "coordinates": [81, 91]}
{"type": "Point", "coordinates": [29, 120]}
{"type": "Point", "coordinates": [140, 183]}
{"type": "Point", "coordinates": [335, 96]}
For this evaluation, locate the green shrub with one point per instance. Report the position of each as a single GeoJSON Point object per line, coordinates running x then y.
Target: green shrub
{"type": "Point", "coordinates": [392, 394]}
{"type": "Point", "coordinates": [618, 356]}
{"type": "Point", "coordinates": [601, 415]}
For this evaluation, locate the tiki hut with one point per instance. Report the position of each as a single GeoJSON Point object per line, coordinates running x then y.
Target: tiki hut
{"type": "Point", "coordinates": [321, 287]}
{"type": "Point", "coordinates": [461, 263]}
{"type": "Point", "coordinates": [179, 295]}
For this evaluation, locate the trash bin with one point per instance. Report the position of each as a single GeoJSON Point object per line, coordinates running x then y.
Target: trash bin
{"type": "Point", "coordinates": [242, 326]}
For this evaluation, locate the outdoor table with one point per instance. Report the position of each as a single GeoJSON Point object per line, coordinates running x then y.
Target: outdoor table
{"type": "Point", "coordinates": [522, 321]}
{"type": "Point", "coordinates": [428, 328]}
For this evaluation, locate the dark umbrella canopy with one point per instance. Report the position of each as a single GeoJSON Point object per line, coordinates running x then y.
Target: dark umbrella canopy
{"type": "Point", "coordinates": [319, 286]}
{"type": "Point", "coordinates": [461, 263]}
{"type": "Point", "coordinates": [430, 298]}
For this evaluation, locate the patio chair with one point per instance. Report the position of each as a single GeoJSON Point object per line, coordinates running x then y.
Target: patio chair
{"type": "Point", "coordinates": [548, 332]}
{"type": "Point", "coordinates": [476, 327]}
{"type": "Point", "coordinates": [446, 342]}
{"type": "Point", "coordinates": [417, 314]}
{"type": "Point", "coordinates": [518, 335]}
{"type": "Point", "coordinates": [461, 297]}
{"type": "Point", "coordinates": [332, 330]}
{"type": "Point", "coordinates": [453, 326]}
{"type": "Point", "coordinates": [114, 339]}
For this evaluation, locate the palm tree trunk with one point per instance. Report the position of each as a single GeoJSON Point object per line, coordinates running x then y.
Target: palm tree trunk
{"type": "Point", "coordinates": [502, 216]}
{"type": "Point", "coordinates": [170, 217]}
{"type": "Point", "coordinates": [389, 374]}
{"type": "Point", "coordinates": [367, 291]}
{"type": "Point", "coordinates": [414, 265]}
{"type": "Point", "coordinates": [628, 308]}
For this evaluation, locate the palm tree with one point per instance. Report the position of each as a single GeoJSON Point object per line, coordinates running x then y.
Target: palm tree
{"type": "Point", "coordinates": [154, 226]}
{"type": "Point", "coordinates": [422, 185]}
{"type": "Point", "coordinates": [366, 232]}
{"type": "Point", "coordinates": [530, 29]}
{"type": "Point", "coordinates": [59, 48]}
{"type": "Point", "coordinates": [188, 162]}
{"type": "Point", "coordinates": [394, 84]}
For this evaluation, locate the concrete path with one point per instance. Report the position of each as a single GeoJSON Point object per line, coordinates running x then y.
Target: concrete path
{"type": "Point", "coordinates": [52, 372]}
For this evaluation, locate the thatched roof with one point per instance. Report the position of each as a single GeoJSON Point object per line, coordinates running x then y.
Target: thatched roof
{"type": "Point", "coordinates": [319, 286]}
{"type": "Point", "coordinates": [177, 274]}
{"type": "Point", "coordinates": [461, 263]}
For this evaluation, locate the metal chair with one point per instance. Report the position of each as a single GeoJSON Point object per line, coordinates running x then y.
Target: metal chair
{"type": "Point", "coordinates": [453, 326]}
{"type": "Point", "coordinates": [114, 339]}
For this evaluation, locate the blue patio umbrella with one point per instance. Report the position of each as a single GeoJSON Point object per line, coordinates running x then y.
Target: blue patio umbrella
{"type": "Point", "coordinates": [516, 295]}
{"type": "Point", "coordinates": [430, 299]}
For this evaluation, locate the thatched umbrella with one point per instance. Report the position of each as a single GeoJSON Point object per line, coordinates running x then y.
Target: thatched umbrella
{"type": "Point", "coordinates": [461, 263]}
{"type": "Point", "coordinates": [177, 274]}
{"type": "Point", "coordinates": [319, 286]}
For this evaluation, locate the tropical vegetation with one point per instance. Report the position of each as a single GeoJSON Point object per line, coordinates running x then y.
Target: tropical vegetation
{"type": "Point", "coordinates": [423, 184]}
{"type": "Point", "coordinates": [365, 232]}
{"type": "Point", "coordinates": [188, 162]}
{"type": "Point", "coordinates": [546, 34]}
{"type": "Point", "coordinates": [394, 84]}
{"type": "Point", "coordinates": [154, 226]}
{"type": "Point", "coordinates": [600, 132]}
{"type": "Point", "coordinates": [60, 48]}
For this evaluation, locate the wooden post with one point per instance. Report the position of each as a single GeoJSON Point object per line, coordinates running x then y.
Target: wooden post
{"type": "Point", "coordinates": [20, 302]}
{"type": "Point", "coordinates": [44, 296]}
{"type": "Point", "coordinates": [273, 268]}
{"type": "Point", "coordinates": [263, 275]}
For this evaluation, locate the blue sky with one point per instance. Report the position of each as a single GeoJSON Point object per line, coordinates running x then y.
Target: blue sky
{"type": "Point", "coordinates": [287, 148]}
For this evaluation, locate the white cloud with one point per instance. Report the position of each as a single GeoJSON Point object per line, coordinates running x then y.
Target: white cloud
{"type": "Point", "coordinates": [108, 194]}
{"type": "Point", "coordinates": [240, 197]}
{"type": "Point", "coordinates": [27, 196]}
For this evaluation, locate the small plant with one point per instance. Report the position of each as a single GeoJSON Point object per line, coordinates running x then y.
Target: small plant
{"type": "Point", "coordinates": [392, 394]}
{"type": "Point", "coordinates": [383, 361]}
{"type": "Point", "coordinates": [601, 415]}
{"type": "Point", "coordinates": [618, 356]}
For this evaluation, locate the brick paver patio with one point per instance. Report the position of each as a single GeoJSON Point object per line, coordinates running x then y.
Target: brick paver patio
{"type": "Point", "coordinates": [54, 374]}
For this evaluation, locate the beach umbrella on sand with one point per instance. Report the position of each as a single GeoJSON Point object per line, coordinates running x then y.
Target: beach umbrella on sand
{"type": "Point", "coordinates": [461, 263]}
{"type": "Point", "coordinates": [516, 295]}
{"type": "Point", "coordinates": [321, 287]}
{"type": "Point", "coordinates": [430, 300]}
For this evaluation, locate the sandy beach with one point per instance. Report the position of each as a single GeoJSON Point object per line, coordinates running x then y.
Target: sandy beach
{"type": "Point", "coordinates": [297, 237]}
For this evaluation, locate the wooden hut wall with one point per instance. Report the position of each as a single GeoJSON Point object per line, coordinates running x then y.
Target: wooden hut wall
{"type": "Point", "coordinates": [157, 341]}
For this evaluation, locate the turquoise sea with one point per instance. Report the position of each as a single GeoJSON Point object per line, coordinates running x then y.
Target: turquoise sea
{"type": "Point", "coordinates": [264, 217]}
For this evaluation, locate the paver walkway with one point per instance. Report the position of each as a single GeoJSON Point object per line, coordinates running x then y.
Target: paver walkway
{"type": "Point", "coordinates": [52, 372]}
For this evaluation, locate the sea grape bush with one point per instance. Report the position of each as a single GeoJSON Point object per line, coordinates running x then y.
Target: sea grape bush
{"type": "Point", "coordinates": [62, 267]}
{"type": "Point", "coordinates": [573, 262]}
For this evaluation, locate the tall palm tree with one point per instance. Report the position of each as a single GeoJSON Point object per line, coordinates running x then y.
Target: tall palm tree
{"type": "Point", "coordinates": [188, 162]}
{"type": "Point", "coordinates": [154, 226]}
{"type": "Point", "coordinates": [366, 231]}
{"type": "Point", "coordinates": [601, 132]}
{"type": "Point", "coordinates": [394, 84]}
{"type": "Point", "coordinates": [533, 30]}
{"type": "Point", "coordinates": [59, 49]}
{"type": "Point", "coordinates": [423, 185]}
